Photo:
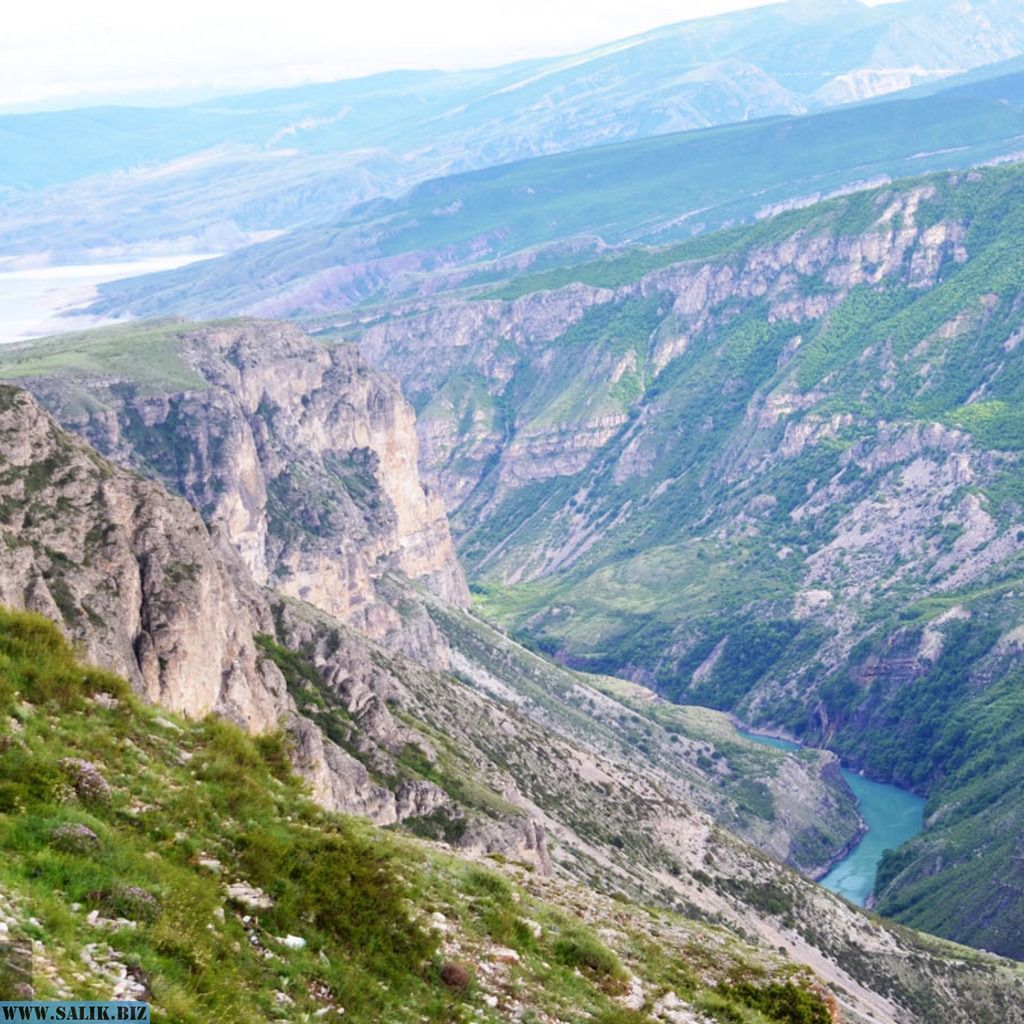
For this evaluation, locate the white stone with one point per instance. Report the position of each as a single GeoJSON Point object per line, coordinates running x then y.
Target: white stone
{"type": "Point", "coordinates": [634, 997]}
{"type": "Point", "coordinates": [249, 896]}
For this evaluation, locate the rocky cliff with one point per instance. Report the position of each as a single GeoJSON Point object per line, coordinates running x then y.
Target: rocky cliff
{"type": "Point", "coordinates": [198, 436]}
{"type": "Point", "coordinates": [134, 575]}
{"type": "Point", "coordinates": [304, 458]}
{"type": "Point", "coordinates": [147, 590]}
{"type": "Point", "coordinates": [502, 758]}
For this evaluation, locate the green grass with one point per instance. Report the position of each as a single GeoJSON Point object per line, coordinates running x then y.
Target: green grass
{"type": "Point", "coordinates": [995, 424]}
{"type": "Point", "coordinates": [147, 356]}
{"type": "Point", "coordinates": [182, 791]}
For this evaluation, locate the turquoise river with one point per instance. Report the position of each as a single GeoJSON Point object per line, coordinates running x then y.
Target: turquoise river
{"type": "Point", "coordinates": [892, 816]}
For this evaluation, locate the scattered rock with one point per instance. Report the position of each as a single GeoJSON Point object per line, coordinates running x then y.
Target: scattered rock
{"type": "Point", "coordinates": [634, 997]}
{"type": "Point", "coordinates": [673, 1010]}
{"type": "Point", "coordinates": [504, 955]}
{"type": "Point", "coordinates": [293, 942]}
{"type": "Point", "coordinates": [455, 976]}
{"type": "Point", "coordinates": [249, 896]}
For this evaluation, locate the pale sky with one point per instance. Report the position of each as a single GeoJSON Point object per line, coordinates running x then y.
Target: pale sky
{"type": "Point", "coordinates": [56, 53]}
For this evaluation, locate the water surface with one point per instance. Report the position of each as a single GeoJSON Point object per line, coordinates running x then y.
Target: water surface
{"type": "Point", "coordinates": [35, 301]}
{"type": "Point", "coordinates": [892, 815]}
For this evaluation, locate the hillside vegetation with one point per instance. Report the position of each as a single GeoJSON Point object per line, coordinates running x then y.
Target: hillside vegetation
{"type": "Point", "coordinates": [182, 863]}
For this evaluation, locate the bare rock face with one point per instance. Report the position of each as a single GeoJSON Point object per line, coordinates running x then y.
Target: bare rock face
{"type": "Point", "coordinates": [133, 573]}
{"type": "Point", "coordinates": [302, 456]}
{"type": "Point", "coordinates": [339, 781]}
{"type": "Point", "coordinates": [135, 577]}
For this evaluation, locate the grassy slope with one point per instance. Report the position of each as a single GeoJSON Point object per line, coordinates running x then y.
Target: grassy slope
{"type": "Point", "coordinates": [181, 792]}
{"type": "Point", "coordinates": [147, 355]}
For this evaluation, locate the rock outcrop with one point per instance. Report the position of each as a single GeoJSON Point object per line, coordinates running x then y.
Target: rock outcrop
{"type": "Point", "coordinates": [148, 590]}
{"type": "Point", "coordinates": [303, 457]}
{"type": "Point", "coordinates": [134, 574]}
{"type": "Point", "coordinates": [136, 577]}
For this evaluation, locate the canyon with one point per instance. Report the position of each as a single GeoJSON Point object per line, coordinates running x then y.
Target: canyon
{"type": "Point", "coordinates": [497, 752]}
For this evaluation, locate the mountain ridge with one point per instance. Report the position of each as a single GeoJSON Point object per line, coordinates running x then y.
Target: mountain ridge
{"type": "Point", "coordinates": [460, 232]}
{"type": "Point", "coordinates": [211, 177]}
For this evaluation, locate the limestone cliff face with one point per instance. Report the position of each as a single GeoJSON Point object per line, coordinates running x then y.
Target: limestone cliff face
{"type": "Point", "coordinates": [305, 458]}
{"type": "Point", "coordinates": [459, 359]}
{"type": "Point", "coordinates": [149, 591]}
{"type": "Point", "coordinates": [518, 392]}
{"type": "Point", "coordinates": [133, 574]}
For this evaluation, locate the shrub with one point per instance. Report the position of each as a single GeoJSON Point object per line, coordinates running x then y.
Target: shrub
{"type": "Point", "coordinates": [74, 838]}
{"type": "Point", "coordinates": [784, 1003]}
{"type": "Point", "coordinates": [480, 882]}
{"type": "Point", "coordinates": [89, 784]}
{"type": "Point", "coordinates": [341, 884]}
{"type": "Point", "coordinates": [576, 947]}
{"type": "Point", "coordinates": [455, 976]}
{"type": "Point", "coordinates": [133, 902]}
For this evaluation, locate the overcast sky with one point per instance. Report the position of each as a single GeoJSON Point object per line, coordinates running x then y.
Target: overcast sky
{"type": "Point", "coordinates": [67, 52]}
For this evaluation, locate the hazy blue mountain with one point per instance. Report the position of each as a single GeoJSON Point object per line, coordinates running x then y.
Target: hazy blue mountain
{"type": "Point", "coordinates": [120, 179]}
{"type": "Point", "coordinates": [543, 212]}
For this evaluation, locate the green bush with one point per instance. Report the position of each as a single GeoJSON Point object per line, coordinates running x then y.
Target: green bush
{"type": "Point", "coordinates": [784, 1003]}
{"type": "Point", "coordinates": [577, 947]}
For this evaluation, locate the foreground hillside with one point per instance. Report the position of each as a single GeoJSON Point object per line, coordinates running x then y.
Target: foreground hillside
{"type": "Point", "coordinates": [782, 481]}
{"type": "Point", "coordinates": [150, 857]}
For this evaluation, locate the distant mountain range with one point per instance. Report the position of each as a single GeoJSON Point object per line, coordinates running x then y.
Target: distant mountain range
{"type": "Point", "coordinates": [106, 182]}
{"type": "Point", "coordinates": [473, 228]}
